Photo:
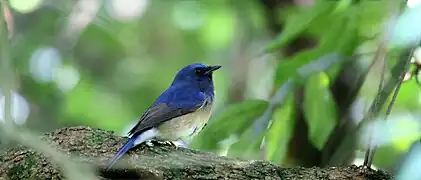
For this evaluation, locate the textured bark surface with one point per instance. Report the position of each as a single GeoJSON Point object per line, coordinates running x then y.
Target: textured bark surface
{"type": "Point", "coordinates": [94, 147]}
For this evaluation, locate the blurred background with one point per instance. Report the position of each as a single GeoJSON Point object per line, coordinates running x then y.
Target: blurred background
{"type": "Point", "coordinates": [298, 76]}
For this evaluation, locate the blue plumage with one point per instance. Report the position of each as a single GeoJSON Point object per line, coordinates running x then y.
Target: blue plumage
{"type": "Point", "coordinates": [179, 113]}
{"type": "Point", "coordinates": [126, 147]}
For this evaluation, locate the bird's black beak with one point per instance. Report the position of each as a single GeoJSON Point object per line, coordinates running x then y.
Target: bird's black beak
{"type": "Point", "coordinates": [212, 68]}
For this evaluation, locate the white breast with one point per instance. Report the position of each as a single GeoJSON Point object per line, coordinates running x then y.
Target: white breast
{"type": "Point", "coordinates": [184, 127]}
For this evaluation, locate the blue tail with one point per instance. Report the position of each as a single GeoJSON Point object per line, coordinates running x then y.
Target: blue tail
{"type": "Point", "coordinates": [129, 144]}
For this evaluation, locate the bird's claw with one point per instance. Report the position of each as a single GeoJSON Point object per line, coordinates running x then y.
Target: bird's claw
{"type": "Point", "coordinates": [149, 143]}
{"type": "Point", "coordinates": [156, 142]}
{"type": "Point", "coordinates": [176, 144]}
{"type": "Point", "coordinates": [180, 144]}
{"type": "Point", "coordinates": [170, 143]}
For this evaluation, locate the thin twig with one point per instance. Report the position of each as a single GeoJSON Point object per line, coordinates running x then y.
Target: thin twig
{"type": "Point", "coordinates": [8, 18]}
{"type": "Point", "coordinates": [368, 158]}
{"type": "Point", "coordinates": [390, 106]}
{"type": "Point", "coordinates": [72, 170]}
{"type": "Point", "coordinates": [5, 56]}
{"type": "Point", "coordinates": [369, 155]}
{"type": "Point", "coordinates": [380, 100]}
{"type": "Point", "coordinates": [259, 126]}
{"type": "Point", "coordinates": [380, 57]}
{"type": "Point", "coordinates": [6, 70]}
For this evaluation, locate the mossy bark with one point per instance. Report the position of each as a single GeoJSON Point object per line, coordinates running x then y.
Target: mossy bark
{"type": "Point", "coordinates": [94, 147]}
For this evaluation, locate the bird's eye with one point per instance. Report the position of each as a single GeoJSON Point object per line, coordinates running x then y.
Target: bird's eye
{"type": "Point", "coordinates": [198, 71]}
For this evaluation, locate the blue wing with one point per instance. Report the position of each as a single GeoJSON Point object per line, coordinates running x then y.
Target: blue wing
{"type": "Point", "coordinates": [158, 114]}
{"type": "Point", "coordinates": [174, 102]}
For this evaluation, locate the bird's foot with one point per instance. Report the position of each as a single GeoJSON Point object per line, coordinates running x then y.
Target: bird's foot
{"type": "Point", "coordinates": [181, 143]}
{"type": "Point", "coordinates": [176, 144]}
{"type": "Point", "coordinates": [170, 143]}
{"type": "Point", "coordinates": [156, 142]}
{"type": "Point", "coordinates": [150, 143]}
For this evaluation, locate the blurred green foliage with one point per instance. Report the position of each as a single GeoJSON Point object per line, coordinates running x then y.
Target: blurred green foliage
{"type": "Point", "coordinates": [122, 66]}
{"type": "Point", "coordinates": [320, 110]}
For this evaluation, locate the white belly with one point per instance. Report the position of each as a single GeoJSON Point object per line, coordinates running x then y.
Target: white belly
{"type": "Point", "coordinates": [184, 127]}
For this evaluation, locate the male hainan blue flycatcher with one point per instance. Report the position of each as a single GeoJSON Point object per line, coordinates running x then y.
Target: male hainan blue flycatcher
{"type": "Point", "coordinates": [180, 112]}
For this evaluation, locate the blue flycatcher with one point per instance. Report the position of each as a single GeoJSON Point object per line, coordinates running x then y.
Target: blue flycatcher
{"type": "Point", "coordinates": [180, 112]}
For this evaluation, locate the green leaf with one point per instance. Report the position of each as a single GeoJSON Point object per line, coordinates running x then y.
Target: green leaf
{"type": "Point", "coordinates": [248, 146]}
{"type": "Point", "coordinates": [279, 132]}
{"type": "Point", "coordinates": [407, 99]}
{"type": "Point", "coordinates": [288, 67]}
{"type": "Point", "coordinates": [320, 64]}
{"type": "Point", "coordinates": [233, 121]}
{"type": "Point", "coordinates": [371, 16]}
{"type": "Point", "coordinates": [341, 38]}
{"type": "Point", "coordinates": [298, 22]}
{"type": "Point", "coordinates": [319, 109]}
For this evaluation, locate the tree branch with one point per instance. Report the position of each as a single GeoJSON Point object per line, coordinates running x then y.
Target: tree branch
{"type": "Point", "coordinates": [94, 147]}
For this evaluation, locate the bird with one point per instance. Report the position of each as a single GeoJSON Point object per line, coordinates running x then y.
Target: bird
{"type": "Point", "coordinates": [179, 113]}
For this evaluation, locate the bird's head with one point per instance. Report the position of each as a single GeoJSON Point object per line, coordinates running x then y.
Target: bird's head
{"type": "Point", "coordinates": [197, 74]}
